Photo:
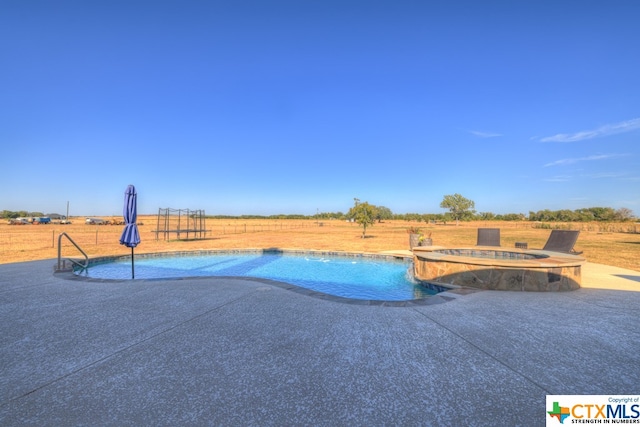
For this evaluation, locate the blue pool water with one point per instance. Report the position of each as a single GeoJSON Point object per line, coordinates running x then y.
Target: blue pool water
{"type": "Point", "coordinates": [349, 277]}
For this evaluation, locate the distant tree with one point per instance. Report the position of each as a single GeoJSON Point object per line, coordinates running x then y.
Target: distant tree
{"type": "Point", "coordinates": [428, 217]}
{"type": "Point", "coordinates": [413, 217]}
{"type": "Point", "coordinates": [329, 215]}
{"type": "Point", "coordinates": [624, 214]}
{"type": "Point", "coordinates": [486, 216]}
{"type": "Point", "coordinates": [511, 217]}
{"type": "Point", "coordinates": [459, 207]}
{"type": "Point", "coordinates": [566, 215]}
{"type": "Point", "coordinates": [364, 214]}
{"type": "Point", "coordinates": [584, 215]}
{"type": "Point", "coordinates": [544, 215]}
{"type": "Point", "coordinates": [383, 212]}
{"type": "Point", "coordinates": [9, 214]}
{"type": "Point", "coordinates": [603, 214]}
{"type": "Point", "coordinates": [441, 217]}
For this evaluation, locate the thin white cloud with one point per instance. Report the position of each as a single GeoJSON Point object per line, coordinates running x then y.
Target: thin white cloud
{"type": "Point", "coordinates": [618, 176]}
{"type": "Point", "coordinates": [606, 130]}
{"type": "Point", "coordinates": [571, 161]}
{"type": "Point", "coordinates": [559, 178]}
{"type": "Point", "coordinates": [484, 134]}
{"type": "Point", "coordinates": [605, 175]}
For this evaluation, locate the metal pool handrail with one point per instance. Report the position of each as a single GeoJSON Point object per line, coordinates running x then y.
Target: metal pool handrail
{"type": "Point", "coordinates": [79, 264]}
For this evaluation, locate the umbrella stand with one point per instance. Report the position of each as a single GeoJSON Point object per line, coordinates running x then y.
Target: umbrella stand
{"type": "Point", "coordinates": [130, 235]}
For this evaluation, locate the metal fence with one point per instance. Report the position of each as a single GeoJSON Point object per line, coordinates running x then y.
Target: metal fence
{"type": "Point", "coordinates": [29, 237]}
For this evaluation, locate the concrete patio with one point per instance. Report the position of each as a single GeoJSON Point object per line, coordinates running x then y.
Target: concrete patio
{"type": "Point", "coordinates": [249, 352]}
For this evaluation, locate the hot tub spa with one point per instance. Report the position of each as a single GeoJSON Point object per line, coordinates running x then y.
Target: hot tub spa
{"type": "Point", "coordinates": [498, 269]}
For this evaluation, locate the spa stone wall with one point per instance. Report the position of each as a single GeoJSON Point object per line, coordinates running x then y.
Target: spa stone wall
{"type": "Point", "coordinates": [497, 277]}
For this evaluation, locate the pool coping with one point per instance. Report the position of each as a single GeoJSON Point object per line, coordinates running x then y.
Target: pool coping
{"type": "Point", "coordinates": [547, 259]}
{"type": "Point", "coordinates": [438, 298]}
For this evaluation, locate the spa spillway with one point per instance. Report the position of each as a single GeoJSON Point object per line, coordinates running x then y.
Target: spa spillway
{"type": "Point", "coordinates": [495, 268]}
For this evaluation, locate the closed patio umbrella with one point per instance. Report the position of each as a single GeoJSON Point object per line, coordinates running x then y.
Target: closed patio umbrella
{"type": "Point", "coordinates": [130, 235]}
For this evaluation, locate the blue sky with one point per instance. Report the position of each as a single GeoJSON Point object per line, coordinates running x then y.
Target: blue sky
{"type": "Point", "coordinates": [268, 107]}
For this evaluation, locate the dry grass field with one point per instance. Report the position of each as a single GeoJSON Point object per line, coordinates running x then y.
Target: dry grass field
{"type": "Point", "coordinates": [611, 244]}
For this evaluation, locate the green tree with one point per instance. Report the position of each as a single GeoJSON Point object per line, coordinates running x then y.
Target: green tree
{"type": "Point", "coordinates": [382, 213]}
{"type": "Point", "coordinates": [428, 217]}
{"type": "Point", "coordinates": [364, 214]}
{"type": "Point", "coordinates": [603, 214]}
{"type": "Point", "coordinates": [584, 215]}
{"type": "Point", "coordinates": [487, 216]}
{"type": "Point", "coordinates": [566, 215]}
{"type": "Point", "coordinates": [459, 207]}
{"type": "Point", "coordinates": [511, 217]}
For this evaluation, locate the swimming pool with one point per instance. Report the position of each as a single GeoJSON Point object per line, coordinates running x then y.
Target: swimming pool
{"type": "Point", "coordinates": [355, 277]}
